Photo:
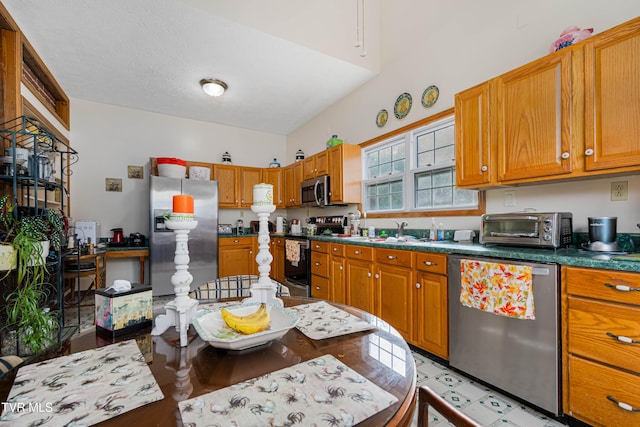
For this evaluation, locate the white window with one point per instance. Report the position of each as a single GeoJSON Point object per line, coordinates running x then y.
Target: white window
{"type": "Point", "coordinates": [415, 171]}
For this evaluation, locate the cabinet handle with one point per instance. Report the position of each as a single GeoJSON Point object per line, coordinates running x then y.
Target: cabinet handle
{"type": "Point", "coordinates": [317, 264]}
{"type": "Point", "coordinates": [392, 257]}
{"type": "Point", "coordinates": [418, 286]}
{"type": "Point", "coordinates": [622, 288]}
{"type": "Point", "coordinates": [318, 288]}
{"type": "Point", "coordinates": [623, 405]}
{"type": "Point", "coordinates": [335, 249]}
{"type": "Point", "coordinates": [484, 168]}
{"type": "Point", "coordinates": [368, 274]}
{"type": "Point", "coordinates": [236, 241]}
{"type": "Point", "coordinates": [377, 276]}
{"type": "Point", "coordinates": [429, 263]}
{"type": "Point", "coordinates": [357, 253]}
{"type": "Point", "coordinates": [565, 155]}
{"type": "Point", "coordinates": [317, 246]}
{"type": "Point", "coordinates": [340, 268]}
{"type": "Point", "coordinates": [588, 152]}
{"type": "Point", "coordinates": [242, 201]}
{"type": "Point", "coordinates": [623, 338]}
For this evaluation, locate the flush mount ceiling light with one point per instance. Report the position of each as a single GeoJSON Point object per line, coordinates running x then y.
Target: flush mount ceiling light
{"type": "Point", "coordinates": [213, 87]}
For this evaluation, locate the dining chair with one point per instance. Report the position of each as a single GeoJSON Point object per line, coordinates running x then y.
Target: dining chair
{"type": "Point", "coordinates": [92, 266]}
{"type": "Point", "coordinates": [232, 287]}
{"type": "Point", "coordinates": [428, 397]}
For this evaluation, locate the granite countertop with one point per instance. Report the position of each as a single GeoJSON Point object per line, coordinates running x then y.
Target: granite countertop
{"type": "Point", "coordinates": [565, 256]}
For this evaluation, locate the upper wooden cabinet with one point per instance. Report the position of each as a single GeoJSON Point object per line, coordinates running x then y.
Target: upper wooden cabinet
{"type": "Point", "coordinates": [248, 178]}
{"type": "Point", "coordinates": [612, 92]}
{"type": "Point", "coordinates": [315, 165]}
{"type": "Point", "coordinates": [473, 150]}
{"type": "Point", "coordinates": [275, 177]}
{"type": "Point", "coordinates": [235, 185]}
{"type": "Point", "coordinates": [292, 177]}
{"type": "Point", "coordinates": [571, 114]}
{"type": "Point", "coordinates": [533, 119]}
{"type": "Point", "coordinates": [345, 172]}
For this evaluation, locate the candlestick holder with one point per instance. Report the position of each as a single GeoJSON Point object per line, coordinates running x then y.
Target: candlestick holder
{"type": "Point", "coordinates": [180, 311]}
{"type": "Point", "coordinates": [264, 291]}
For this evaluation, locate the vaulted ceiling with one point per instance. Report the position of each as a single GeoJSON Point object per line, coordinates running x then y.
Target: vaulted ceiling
{"type": "Point", "coordinates": [284, 61]}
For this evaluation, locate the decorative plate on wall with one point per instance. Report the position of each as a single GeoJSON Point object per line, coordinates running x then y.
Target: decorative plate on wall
{"type": "Point", "coordinates": [402, 106]}
{"type": "Point", "coordinates": [382, 117]}
{"type": "Point", "coordinates": [430, 96]}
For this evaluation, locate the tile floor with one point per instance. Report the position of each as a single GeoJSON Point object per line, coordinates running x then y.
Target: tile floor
{"type": "Point", "coordinates": [484, 405]}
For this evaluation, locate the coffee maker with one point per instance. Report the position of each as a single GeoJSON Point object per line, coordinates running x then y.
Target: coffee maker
{"type": "Point", "coordinates": [602, 234]}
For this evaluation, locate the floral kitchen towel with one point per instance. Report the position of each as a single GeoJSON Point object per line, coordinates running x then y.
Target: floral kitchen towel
{"type": "Point", "coordinates": [292, 251]}
{"type": "Point", "coordinates": [321, 391]}
{"type": "Point", "coordinates": [320, 320]}
{"type": "Point", "coordinates": [81, 389]}
{"type": "Point", "coordinates": [503, 289]}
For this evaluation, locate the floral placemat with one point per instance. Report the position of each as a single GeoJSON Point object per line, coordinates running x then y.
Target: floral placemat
{"type": "Point", "coordinates": [321, 391]}
{"type": "Point", "coordinates": [81, 389]}
{"type": "Point", "coordinates": [320, 320]}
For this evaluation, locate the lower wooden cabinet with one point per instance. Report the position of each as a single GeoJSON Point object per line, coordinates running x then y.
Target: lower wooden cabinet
{"type": "Point", "coordinates": [394, 277]}
{"type": "Point", "coordinates": [359, 283]}
{"type": "Point", "coordinates": [337, 273]}
{"type": "Point", "coordinates": [237, 255]}
{"type": "Point", "coordinates": [601, 321]}
{"type": "Point", "coordinates": [277, 265]}
{"type": "Point", "coordinates": [430, 304]}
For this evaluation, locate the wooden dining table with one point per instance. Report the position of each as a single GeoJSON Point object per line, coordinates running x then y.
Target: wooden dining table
{"type": "Point", "coordinates": [381, 355]}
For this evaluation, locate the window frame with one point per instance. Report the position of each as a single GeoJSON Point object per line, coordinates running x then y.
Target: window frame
{"type": "Point", "coordinates": [408, 130]}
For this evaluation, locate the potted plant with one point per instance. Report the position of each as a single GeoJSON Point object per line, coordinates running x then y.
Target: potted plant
{"type": "Point", "coordinates": [26, 305]}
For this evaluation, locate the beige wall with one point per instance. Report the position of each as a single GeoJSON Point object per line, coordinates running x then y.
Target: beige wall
{"type": "Point", "coordinates": [455, 45]}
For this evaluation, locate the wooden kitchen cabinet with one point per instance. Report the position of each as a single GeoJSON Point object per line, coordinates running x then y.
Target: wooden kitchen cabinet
{"type": "Point", "coordinates": [394, 277]}
{"type": "Point", "coordinates": [235, 184]}
{"type": "Point", "coordinates": [292, 179]}
{"type": "Point", "coordinates": [236, 256]}
{"type": "Point", "coordinates": [248, 178]}
{"type": "Point", "coordinates": [278, 254]}
{"type": "Point", "coordinates": [474, 165]}
{"type": "Point", "coordinates": [612, 90]}
{"type": "Point", "coordinates": [601, 361]}
{"type": "Point", "coordinates": [531, 118]}
{"type": "Point", "coordinates": [320, 287]}
{"type": "Point", "coordinates": [315, 165]}
{"type": "Point", "coordinates": [360, 287]}
{"type": "Point", "coordinates": [430, 304]}
{"type": "Point", "coordinates": [274, 176]}
{"type": "Point", "coordinates": [337, 276]}
{"type": "Point", "coordinates": [345, 172]}
{"type": "Point", "coordinates": [570, 115]}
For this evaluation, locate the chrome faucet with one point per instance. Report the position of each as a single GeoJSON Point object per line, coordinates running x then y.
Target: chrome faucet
{"type": "Point", "coordinates": [401, 227]}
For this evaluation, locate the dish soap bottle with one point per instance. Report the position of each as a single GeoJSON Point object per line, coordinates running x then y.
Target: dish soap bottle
{"type": "Point", "coordinates": [433, 234]}
{"type": "Point", "coordinates": [440, 232]}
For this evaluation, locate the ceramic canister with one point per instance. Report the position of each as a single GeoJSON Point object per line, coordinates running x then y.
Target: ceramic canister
{"type": "Point", "coordinates": [263, 194]}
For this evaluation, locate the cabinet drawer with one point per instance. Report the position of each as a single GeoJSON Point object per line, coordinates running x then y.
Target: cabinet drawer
{"type": "Point", "coordinates": [320, 264]}
{"type": "Point", "coordinates": [591, 321]}
{"type": "Point", "coordinates": [319, 287]}
{"type": "Point", "coordinates": [601, 284]}
{"type": "Point", "coordinates": [320, 247]}
{"type": "Point", "coordinates": [359, 252]}
{"type": "Point", "coordinates": [395, 257]}
{"type": "Point", "coordinates": [435, 263]}
{"type": "Point", "coordinates": [589, 385]}
{"type": "Point", "coordinates": [336, 249]}
{"type": "Point", "coordinates": [277, 241]}
{"type": "Point", "coordinates": [235, 241]}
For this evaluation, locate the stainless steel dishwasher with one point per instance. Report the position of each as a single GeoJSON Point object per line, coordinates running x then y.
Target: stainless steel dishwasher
{"type": "Point", "coordinates": [521, 357]}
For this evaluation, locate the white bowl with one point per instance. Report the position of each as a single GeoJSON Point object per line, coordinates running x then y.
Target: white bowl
{"type": "Point", "coordinates": [214, 330]}
{"type": "Point", "coordinates": [199, 173]}
{"type": "Point", "coordinates": [172, 171]}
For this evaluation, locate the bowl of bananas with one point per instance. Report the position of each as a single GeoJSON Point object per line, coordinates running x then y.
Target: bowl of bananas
{"type": "Point", "coordinates": [243, 326]}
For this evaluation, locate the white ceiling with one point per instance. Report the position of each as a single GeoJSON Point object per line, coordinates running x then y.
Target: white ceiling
{"type": "Point", "coordinates": [285, 61]}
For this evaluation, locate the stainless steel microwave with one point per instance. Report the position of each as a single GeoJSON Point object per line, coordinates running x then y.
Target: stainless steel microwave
{"type": "Point", "coordinates": [316, 191]}
{"type": "Point", "coordinates": [542, 229]}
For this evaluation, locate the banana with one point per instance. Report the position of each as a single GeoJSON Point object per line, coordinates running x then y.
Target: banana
{"type": "Point", "coordinates": [249, 324]}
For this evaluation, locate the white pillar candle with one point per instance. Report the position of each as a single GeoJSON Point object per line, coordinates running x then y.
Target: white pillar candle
{"type": "Point", "coordinates": [263, 194]}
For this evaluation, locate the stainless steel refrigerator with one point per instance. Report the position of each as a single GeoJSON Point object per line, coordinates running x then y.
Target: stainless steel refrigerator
{"type": "Point", "coordinates": [203, 240]}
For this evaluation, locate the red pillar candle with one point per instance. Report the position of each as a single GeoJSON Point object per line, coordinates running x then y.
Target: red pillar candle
{"type": "Point", "coordinates": [183, 203]}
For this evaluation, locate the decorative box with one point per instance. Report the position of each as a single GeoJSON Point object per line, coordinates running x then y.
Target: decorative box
{"type": "Point", "coordinates": [119, 313]}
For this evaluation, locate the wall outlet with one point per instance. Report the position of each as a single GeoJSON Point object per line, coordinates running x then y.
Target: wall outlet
{"type": "Point", "coordinates": [619, 190]}
{"type": "Point", "coordinates": [510, 199]}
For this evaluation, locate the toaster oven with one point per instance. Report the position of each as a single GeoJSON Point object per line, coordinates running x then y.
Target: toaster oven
{"type": "Point", "coordinates": [541, 229]}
